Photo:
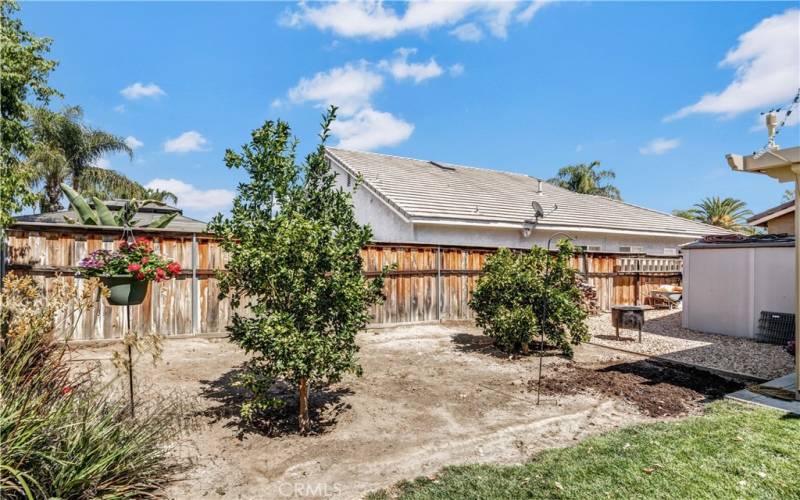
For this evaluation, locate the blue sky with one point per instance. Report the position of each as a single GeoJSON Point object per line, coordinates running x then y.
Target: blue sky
{"type": "Point", "coordinates": [658, 92]}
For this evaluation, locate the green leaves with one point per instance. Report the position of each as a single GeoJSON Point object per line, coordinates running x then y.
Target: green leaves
{"type": "Point", "coordinates": [103, 216]}
{"type": "Point", "coordinates": [163, 221]}
{"type": "Point", "coordinates": [103, 213]}
{"type": "Point", "coordinates": [584, 179]}
{"type": "Point", "coordinates": [85, 213]}
{"type": "Point", "coordinates": [294, 260]}
{"type": "Point", "coordinates": [24, 69]}
{"type": "Point", "coordinates": [728, 213]}
{"type": "Point", "coordinates": [522, 293]}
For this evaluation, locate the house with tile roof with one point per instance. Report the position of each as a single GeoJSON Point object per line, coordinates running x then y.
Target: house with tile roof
{"type": "Point", "coordinates": [147, 213]}
{"type": "Point", "coordinates": [776, 220]}
{"type": "Point", "coordinates": [412, 201]}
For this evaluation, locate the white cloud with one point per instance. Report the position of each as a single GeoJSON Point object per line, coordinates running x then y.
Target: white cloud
{"type": "Point", "coordinates": [527, 14]}
{"type": "Point", "coordinates": [120, 108]}
{"type": "Point", "coordinates": [192, 198]}
{"type": "Point", "coordinates": [767, 64]}
{"type": "Point", "coordinates": [456, 69]}
{"type": "Point", "coordinates": [186, 142]}
{"type": "Point", "coordinates": [139, 90]}
{"type": "Point", "coordinates": [370, 129]}
{"type": "Point", "coordinates": [350, 87]}
{"type": "Point", "coordinates": [400, 68]}
{"type": "Point", "coordinates": [469, 32]}
{"type": "Point", "coordinates": [659, 146]}
{"type": "Point", "coordinates": [133, 142]}
{"type": "Point", "coordinates": [103, 163]}
{"type": "Point", "coordinates": [375, 19]}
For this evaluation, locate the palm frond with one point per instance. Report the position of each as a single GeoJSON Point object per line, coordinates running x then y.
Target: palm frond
{"type": "Point", "coordinates": [107, 184]}
{"type": "Point", "coordinates": [583, 178]}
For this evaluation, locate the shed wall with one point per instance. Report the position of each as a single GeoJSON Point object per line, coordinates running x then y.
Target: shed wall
{"type": "Point", "coordinates": [726, 289]}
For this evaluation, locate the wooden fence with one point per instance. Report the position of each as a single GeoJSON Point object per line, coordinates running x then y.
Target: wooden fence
{"type": "Point", "coordinates": [188, 304]}
{"type": "Point", "coordinates": [430, 283]}
{"type": "Point", "coordinates": [433, 283]}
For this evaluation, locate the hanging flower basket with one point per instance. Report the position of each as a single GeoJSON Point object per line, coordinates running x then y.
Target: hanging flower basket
{"type": "Point", "coordinates": [125, 290]}
{"type": "Point", "coordinates": [128, 271]}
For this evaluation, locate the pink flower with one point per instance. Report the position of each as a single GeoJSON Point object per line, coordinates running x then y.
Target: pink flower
{"type": "Point", "coordinates": [140, 276]}
{"type": "Point", "coordinates": [132, 268]}
{"type": "Point", "coordinates": [66, 390]}
{"type": "Point", "coordinates": [174, 268]}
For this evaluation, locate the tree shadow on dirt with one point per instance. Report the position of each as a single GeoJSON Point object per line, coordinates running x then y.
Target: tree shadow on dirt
{"type": "Point", "coordinates": [325, 405]}
{"type": "Point", "coordinates": [470, 343]}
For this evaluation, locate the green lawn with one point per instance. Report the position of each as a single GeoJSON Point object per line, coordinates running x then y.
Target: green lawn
{"type": "Point", "coordinates": [733, 451]}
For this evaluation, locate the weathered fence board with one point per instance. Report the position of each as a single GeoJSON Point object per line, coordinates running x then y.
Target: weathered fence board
{"type": "Point", "coordinates": [429, 283]}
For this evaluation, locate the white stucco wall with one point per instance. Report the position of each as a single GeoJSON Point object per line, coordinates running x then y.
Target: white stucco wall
{"type": "Point", "coordinates": [725, 289]}
{"type": "Point", "coordinates": [388, 226]}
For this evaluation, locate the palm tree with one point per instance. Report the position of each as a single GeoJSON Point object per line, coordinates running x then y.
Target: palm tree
{"type": "Point", "coordinates": [728, 213]}
{"type": "Point", "coordinates": [584, 179]}
{"type": "Point", "coordinates": [159, 195]}
{"type": "Point", "coordinates": [66, 150]}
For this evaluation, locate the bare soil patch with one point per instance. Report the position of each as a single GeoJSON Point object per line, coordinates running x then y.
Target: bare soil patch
{"type": "Point", "coordinates": [430, 396]}
{"type": "Point", "coordinates": [656, 389]}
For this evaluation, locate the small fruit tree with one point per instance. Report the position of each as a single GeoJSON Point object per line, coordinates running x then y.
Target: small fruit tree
{"type": "Point", "coordinates": [522, 293]}
{"type": "Point", "coordinates": [294, 246]}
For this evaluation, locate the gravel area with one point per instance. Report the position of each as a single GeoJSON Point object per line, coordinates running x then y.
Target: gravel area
{"type": "Point", "coordinates": [663, 336]}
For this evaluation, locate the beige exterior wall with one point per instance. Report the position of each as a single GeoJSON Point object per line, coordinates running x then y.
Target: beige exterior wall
{"type": "Point", "coordinates": [782, 224]}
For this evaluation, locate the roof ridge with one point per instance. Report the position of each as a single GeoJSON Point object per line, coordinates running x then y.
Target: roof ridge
{"type": "Point", "coordinates": [659, 212]}
{"type": "Point", "coordinates": [457, 165]}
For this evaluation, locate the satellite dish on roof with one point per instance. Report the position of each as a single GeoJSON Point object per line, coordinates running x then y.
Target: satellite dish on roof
{"type": "Point", "coordinates": [538, 211]}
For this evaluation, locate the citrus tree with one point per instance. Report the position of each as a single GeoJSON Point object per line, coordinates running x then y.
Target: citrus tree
{"type": "Point", "coordinates": [295, 263]}
{"type": "Point", "coordinates": [522, 294]}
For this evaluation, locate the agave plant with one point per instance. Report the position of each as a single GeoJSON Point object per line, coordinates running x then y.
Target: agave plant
{"type": "Point", "coordinates": [101, 215]}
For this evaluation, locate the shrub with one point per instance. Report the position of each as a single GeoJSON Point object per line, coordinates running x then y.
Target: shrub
{"type": "Point", "coordinates": [60, 435]}
{"type": "Point", "coordinates": [511, 296]}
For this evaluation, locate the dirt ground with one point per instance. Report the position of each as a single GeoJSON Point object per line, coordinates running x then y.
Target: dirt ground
{"type": "Point", "coordinates": [430, 396]}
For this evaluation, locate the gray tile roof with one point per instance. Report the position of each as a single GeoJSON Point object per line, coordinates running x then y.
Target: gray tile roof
{"type": "Point", "coordinates": [146, 214]}
{"type": "Point", "coordinates": [424, 190]}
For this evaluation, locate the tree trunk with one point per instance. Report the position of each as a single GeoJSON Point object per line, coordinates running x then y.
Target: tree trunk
{"type": "Point", "coordinates": [525, 348]}
{"type": "Point", "coordinates": [303, 420]}
{"type": "Point", "coordinates": [52, 198]}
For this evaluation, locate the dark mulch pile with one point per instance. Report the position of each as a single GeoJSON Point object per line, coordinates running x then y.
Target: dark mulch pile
{"type": "Point", "coordinates": [657, 389]}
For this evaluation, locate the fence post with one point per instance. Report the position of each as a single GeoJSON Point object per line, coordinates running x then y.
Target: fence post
{"type": "Point", "coordinates": [438, 283]}
{"type": "Point", "coordinates": [195, 289]}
